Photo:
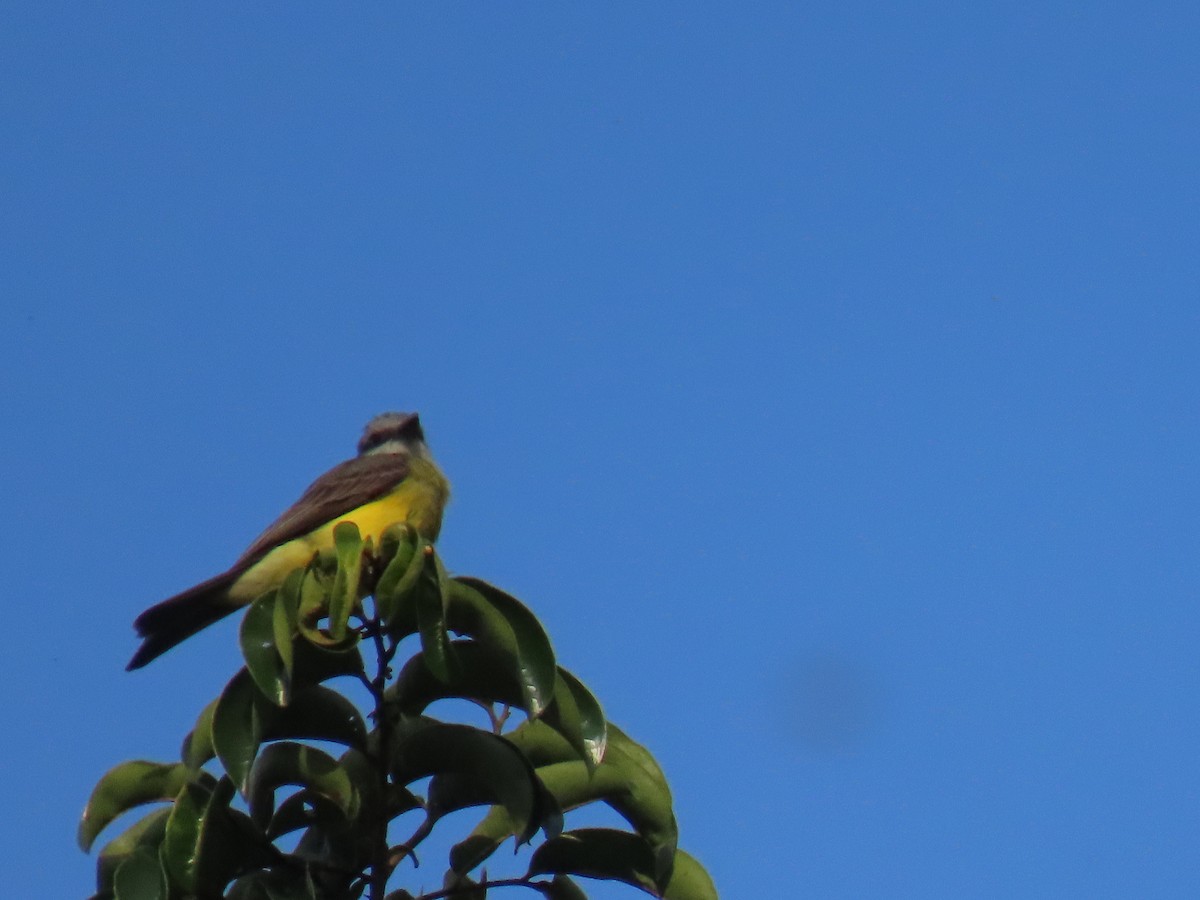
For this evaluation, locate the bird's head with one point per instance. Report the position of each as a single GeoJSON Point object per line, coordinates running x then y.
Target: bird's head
{"type": "Point", "coordinates": [393, 432]}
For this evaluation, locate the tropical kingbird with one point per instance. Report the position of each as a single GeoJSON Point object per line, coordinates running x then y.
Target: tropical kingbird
{"type": "Point", "coordinates": [393, 479]}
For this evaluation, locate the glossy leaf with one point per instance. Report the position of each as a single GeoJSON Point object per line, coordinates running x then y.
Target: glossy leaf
{"type": "Point", "coordinates": [244, 719]}
{"type": "Point", "coordinates": [571, 784]}
{"type": "Point", "coordinates": [250, 887]}
{"type": "Point", "coordinates": [305, 809]}
{"type": "Point", "coordinates": [462, 887]}
{"type": "Point", "coordinates": [689, 880]}
{"type": "Point", "coordinates": [502, 773]}
{"type": "Point", "coordinates": [307, 767]}
{"type": "Point", "coordinates": [429, 598]}
{"type": "Point", "coordinates": [392, 539]}
{"type": "Point", "coordinates": [400, 575]}
{"type": "Point", "coordinates": [645, 801]}
{"type": "Point", "coordinates": [364, 775]}
{"type": "Point", "coordinates": [597, 853]}
{"type": "Point", "coordinates": [237, 727]}
{"type": "Point", "coordinates": [315, 604]}
{"type": "Point", "coordinates": [560, 887]}
{"type": "Point", "coordinates": [542, 744]}
{"type": "Point", "coordinates": [125, 786]}
{"type": "Point", "coordinates": [277, 884]}
{"type": "Point", "coordinates": [316, 664]}
{"type": "Point", "coordinates": [347, 845]}
{"type": "Point", "coordinates": [619, 856]}
{"type": "Point", "coordinates": [140, 877]}
{"type": "Point", "coordinates": [198, 745]}
{"type": "Point", "coordinates": [181, 841]}
{"type": "Point", "coordinates": [286, 620]}
{"type": "Point", "coordinates": [318, 713]}
{"type": "Point", "coordinates": [486, 675]}
{"type": "Point", "coordinates": [485, 840]}
{"type": "Point", "coordinates": [344, 596]}
{"type": "Point", "coordinates": [263, 659]}
{"type": "Point", "coordinates": [628, 780]}
{"type": "Point", "coordinates": [203, 848]}
{"type": "Point", "coordinates": [147, 832]}
{"type": "Point", "coordinates": [448, 794]}
{"type": "Point", "coordinates": [499, 620]}
{"type": "Point", "coordinates": [480, 674]}
{"type": "Point", "coordinates": [577, 716]}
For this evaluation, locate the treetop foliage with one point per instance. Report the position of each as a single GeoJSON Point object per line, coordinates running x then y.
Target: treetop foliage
{"type": "Point", "coordinates": [286, 790]}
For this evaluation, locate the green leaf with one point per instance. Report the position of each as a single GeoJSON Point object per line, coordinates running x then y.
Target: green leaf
{"type": "Point", "coordinates": [146, 832]}
{"type": "Point", "coordinates": [318, 713]}
{"type": "Point", "coordinates": [237, 728]}
{"type": "Point", "coordinates": [276, 884]}
{"type": "Point", "coordinates": [349, 547]}
{"type": "Point", "coordinates": [206, 842]}
{"type": "Point", "coordinates": [499, 620]}
{"type": "Point", "coordinates": [263, 659]}
{"type": "Point", "coordinates": [286, 619]}
{"type": "Point", "coordinates": [450, 792]}
{"type": "Point", "coordinates": [570, 784]}
{"type": "Point", "coordinates": [577, 716]}
{"type": "Point", "coordinates": [447, 794]}
{"type": "Point", "coordinates": [244, 718]}
{"type": "Point", "coordinates": [486, 675]}
{"type": "Point", "coordinates": [542, 744]}
{"type": "Point", "coordinates": [645, 800]}
{"type": "Point", "coordinates": [597, 853]}
{"type": "Point", "coordinates": [617, 855]}
{"type": "Point", "coordinates": [316, 601]}
{"type": "Point", "coordinates": [399, 577]}
{"type": "Point", "coordinates": [364, 775]}
{"type": "Point", "coordinates": [462, 887]}
{"type": "Point", "coordinates": [331, 840]}
{"type": "Point", "coordinates": [476, 847]}
{"type": "Point", "coordinates": [181, 842]}
{"type": "Point", "coordinates": [689, 880]}
{"type": "Point", "coordinates": [305, 809]}
{"type": "Point", "coordinates": [125, 786]}
{"type": "Point", "coordinates": [480, 674]}
{"type": "Point", "coordinates": [429, 599]}
{"type": "Point", "coordinates": [628, 780]}
{"type": "Point", "coordinates": [250, 887]}
{"type": "Point", "coordinates": [307, 767]}
{"type": "Point", "coordinates": [140, 877]}
{"type": "Point", "coordinates": [560, 888]}
{"type": "Point", "coordinates": [392, 539]}
{"type": "Point", "coordinates": [316, 664]}
{"type": "Point", "coordinates": [500, 771]}
{"type": "Point", "coordinates": [198, 745]}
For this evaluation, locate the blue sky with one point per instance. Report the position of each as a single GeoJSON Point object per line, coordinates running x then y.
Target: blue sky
{"type": "Point", "coordinates": [823, 375]}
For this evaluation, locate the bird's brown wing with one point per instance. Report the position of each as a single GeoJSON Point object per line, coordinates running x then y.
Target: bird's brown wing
{"type": "Point", "coordinates": [345, 487]}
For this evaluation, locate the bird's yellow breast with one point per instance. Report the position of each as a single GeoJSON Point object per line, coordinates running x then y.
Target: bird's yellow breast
{"type": "Point", "coordinates": [418, 500]}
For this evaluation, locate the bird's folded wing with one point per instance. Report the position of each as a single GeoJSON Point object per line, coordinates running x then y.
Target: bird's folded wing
{"type": "Point", "coordinates": [343, 488]}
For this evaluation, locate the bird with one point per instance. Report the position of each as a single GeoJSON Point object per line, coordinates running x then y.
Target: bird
{"type": "Point", "coordinates": [392, 480]}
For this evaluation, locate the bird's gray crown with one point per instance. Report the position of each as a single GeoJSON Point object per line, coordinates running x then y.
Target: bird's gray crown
{"type": "Point", "coordinates": [389, 427]}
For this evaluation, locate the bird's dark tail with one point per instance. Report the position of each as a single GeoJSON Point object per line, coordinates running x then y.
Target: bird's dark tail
{"type": "Point", "coordinates": [176, 619]}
